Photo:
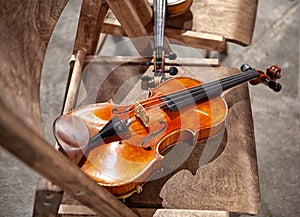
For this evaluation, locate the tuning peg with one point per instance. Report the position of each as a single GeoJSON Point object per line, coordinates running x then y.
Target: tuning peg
{"type": "Point", "coordinates": [171, 56]}
{"type": "Point", "coordinates": [172, 70]}
{"type": "Point", "coordinates": [245, 68]}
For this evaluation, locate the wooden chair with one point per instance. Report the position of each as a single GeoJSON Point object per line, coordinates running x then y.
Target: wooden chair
{"type": "Point", "coordinates": [234, 189]}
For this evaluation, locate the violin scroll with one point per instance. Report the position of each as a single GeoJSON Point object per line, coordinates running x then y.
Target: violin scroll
{"type": "Point", "coordinates": [269, 78]}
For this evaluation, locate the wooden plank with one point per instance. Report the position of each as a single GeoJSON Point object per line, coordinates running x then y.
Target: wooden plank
{"type": "Point", "coordinates": [26, 27]}
{"type": "Point", "coordinates": [134, 16]}
{"type": "Point", "coordinates": [74, 81]}
{"type": "Point", "coordinates": [131, 60]}
{"type": "Point", "coordinates": [198, 39]}
{"type": "Point", "coordinates": [233, 19]}
{"type": "Point", "coordinates": [101, 41]}
{"type": "Point", "coordinates": [75, 210]}
{"type": "Point", "coordinates": [191, 38]}
{"type": "Point", "coordinates": [47, 198]}
{"type": "Point", "coordinates": [29, 147]}
{"type": "Point", "coordinates": [133, 22]}
{"type": "Point", "coordinates": [80, 210]}
{"type": "Point", "coordinates": [194, 213]}
{"type": "Point", "coordinates": [112, 26]}
{"type": "Point", "coordinates": [89, 26]}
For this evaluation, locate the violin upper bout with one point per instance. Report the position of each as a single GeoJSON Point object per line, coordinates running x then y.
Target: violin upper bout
{"type": "Point", "coordinates": [173, 85]}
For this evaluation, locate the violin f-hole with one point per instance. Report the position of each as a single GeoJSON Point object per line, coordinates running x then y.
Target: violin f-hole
{"type": "Point", "coordinates": [152, 135]}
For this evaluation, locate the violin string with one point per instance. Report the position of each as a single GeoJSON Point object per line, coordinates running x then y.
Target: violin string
{"type": "Point", "coordinates": [201, 90]}
{"type": "Point", "coordinates": [206, 91]}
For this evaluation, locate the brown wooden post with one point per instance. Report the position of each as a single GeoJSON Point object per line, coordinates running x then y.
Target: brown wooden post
{"type": "Point", "coordinates": [33, 150]}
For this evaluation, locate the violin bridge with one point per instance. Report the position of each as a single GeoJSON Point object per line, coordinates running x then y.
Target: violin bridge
{"type": "Point", "coordinates": [141, 113]}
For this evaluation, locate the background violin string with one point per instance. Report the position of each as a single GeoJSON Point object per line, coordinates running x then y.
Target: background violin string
{"type": "Point", "coordinates": [276, 116]}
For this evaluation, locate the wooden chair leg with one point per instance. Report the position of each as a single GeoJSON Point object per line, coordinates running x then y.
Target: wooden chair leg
{"type": "Point", "coordinates": [47, 198]}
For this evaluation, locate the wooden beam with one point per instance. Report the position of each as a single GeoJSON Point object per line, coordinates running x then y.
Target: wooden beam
{"type": "Point", "coordinates": [47, 198]}
{"type": "Point", "coordinates": [194, 213]}
{"type": "Point", "coordinates": [137, 60]}
{"type": "Point", "coordinates": [74, 81]}
{"type": "Point", "coordinates": [191, 38]}
{"type": "Point", "coordinates": [134, 21]}
{"type": "Point", "coordinates": [198, 39]}
{"type": "Point", "coordinates": [89, 25]}
{"type": "Point", "coordinates": [33, 150]}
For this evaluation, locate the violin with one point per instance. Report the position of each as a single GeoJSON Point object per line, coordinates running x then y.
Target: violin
{"type": "Point", "coordinates": [120, 147]}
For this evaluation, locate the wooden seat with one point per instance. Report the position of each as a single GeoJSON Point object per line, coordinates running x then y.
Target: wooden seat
{"type": "Point", "coordinates": [232, 176]}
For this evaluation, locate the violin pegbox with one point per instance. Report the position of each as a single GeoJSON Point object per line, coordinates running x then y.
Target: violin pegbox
{"type": "Point", "coordinates": [273, 73]}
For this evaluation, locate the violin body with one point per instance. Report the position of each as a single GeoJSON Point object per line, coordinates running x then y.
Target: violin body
{"type": "Point", "coordinates": [121, 166]}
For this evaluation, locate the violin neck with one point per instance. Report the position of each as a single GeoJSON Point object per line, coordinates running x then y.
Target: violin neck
{"type": "Point", "coordinates": [159, 8]}
{"type": "Point", "coordinates": [175, 101]}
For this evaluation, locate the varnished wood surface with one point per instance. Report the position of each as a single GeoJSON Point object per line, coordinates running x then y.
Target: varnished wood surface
{"type": "Point", "coordinates": [122, 166]}
{"type": "Point", "coordinates": [239, 191]}
{"type": "Point", "coordinates": [231, 180]}
{"type": "Point", "coordinates": [243, 177]}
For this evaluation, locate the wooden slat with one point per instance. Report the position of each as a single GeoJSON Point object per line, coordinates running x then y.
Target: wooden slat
{"type": "Point", "coordinates": [75, 210]}
{"type": "Point", "coordinates": [47, 198]}
{"type": "Point", "coordinates": [233, 19]}
{"type": "Point", "coordinates": [74, 81]}
{"type": "Point", "coordinates": [190, 38]}
{"type": "Point", "coordinates": [137, 60]}
{"type": "Point", "coordinates": [25, 144]}
{"type": "Point", "coordinates": [194, 213]}
{"type": "Point", "coordinates": [198, 39]}
{"type": "Point", "coordinates": [89, 26]}
{"type": "Point", "coordinates": [26, 27]}
{"type": "Point", "coordinates": [133, 16]}
{"type": "Point", "coordinates": [133, 22]}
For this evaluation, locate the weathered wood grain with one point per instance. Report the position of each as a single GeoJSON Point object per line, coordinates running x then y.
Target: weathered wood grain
{"type": "Point", "coordinates": [91, 18]}
{"type": "Point", "coordinates": [26, 29]}
{"type": "Point", "coordinates": [134, 16]}
{"type": "Point", "coordinates": [233, 19]}
{"type": "Point", "coordinates": [194, 213]}
{"type": "Point", "coordinates": [191, 38]}
{"type": "Point", "coordinates": [38, 154]}
{"type": "Point", "coordinates": [47, 198]}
